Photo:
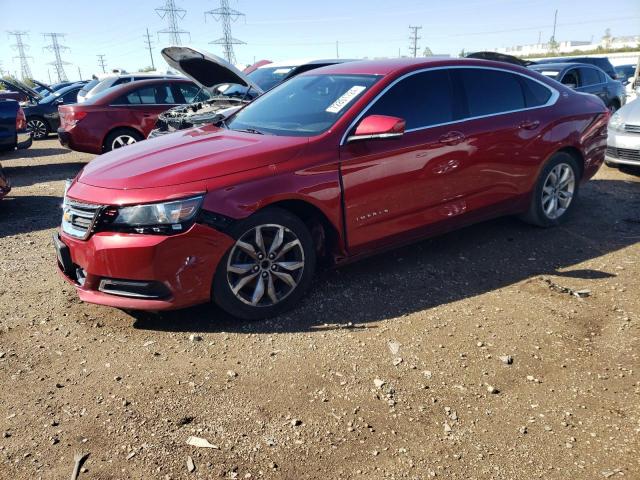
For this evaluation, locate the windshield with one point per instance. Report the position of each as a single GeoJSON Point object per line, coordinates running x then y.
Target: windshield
{"type": "Point", "coordinates": [547, 72]}
{"type": "Point", "coordinates": [58, 93]}
{"type": "Point", "coordinates": [268, 77]}
{"type": "Point", "coordinates": [90, 85]}
{"type": "Point", "coordinates": [303, 106]}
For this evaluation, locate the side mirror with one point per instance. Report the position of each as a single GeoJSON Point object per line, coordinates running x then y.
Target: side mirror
{"type": "Point", "coordinates": [378, 126]}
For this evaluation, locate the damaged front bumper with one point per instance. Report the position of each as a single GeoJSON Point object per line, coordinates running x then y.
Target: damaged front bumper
{"type": "Point", "coordinates": [142, 272]}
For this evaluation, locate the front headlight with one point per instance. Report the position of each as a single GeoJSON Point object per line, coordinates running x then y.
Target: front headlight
{"type": "Point", "coordinates": [166, 217]}
{"type": "Point", "coordinates": [616, 123]}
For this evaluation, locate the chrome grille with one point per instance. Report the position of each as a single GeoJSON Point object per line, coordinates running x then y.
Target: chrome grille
{"type": "Point", "coordinates": [624, 153]}
{"type": "Point", "coordinates": [78, 218]}
{"type": "Point", "coordinates": [632, 128]}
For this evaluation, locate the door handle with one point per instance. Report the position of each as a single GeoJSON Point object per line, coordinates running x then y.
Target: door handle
{"type": "Point", "coordinates": [529, 124]}
{"type": "Point", "coordinates": [452, 138]}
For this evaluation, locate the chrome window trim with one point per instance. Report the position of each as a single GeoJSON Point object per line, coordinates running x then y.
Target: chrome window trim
{"type": "Point", "coordinates": [555, 94]}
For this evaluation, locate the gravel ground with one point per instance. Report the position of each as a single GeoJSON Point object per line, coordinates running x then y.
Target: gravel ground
{"type": "Point", "coordinates": [500, 351]}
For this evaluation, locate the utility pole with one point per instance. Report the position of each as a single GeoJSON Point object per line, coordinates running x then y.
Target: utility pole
{"type": "Point", "coordinates": [79, 74]}
{"type": "Point", "coordinates": [56, 48]}
{"type": "Point", "coordinates": [226, 15]}
{"type": "Point", "coordinates": [21, 47]}
{"type": "Point", "coordinates": [553, 44]}
{"type": "Point", "coordinates": [148, 42]}
{"type": "Point", "coordinates": [49, 74]}
{"type": "Point", "coordinates": [337, 51]}
{"type": "Point", "coordinates": [172, 14]}
{"type": "Point", "coordinates": [101, 62]}
{"type": "Point", "coordinates": [413, 38]}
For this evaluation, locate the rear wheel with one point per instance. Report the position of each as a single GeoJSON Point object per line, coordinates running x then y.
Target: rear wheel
{"type": "Point", "coordinates": [121, 138]}
{"type": "Point", "coordinates": [555, 192]}
{"type": "Point", "coordinates": [38, 126]}
{"type": "Point", "coordinates": [269, 267]}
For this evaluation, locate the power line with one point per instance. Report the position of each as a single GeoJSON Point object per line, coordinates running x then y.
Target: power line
{"type": "Point", "coordinates": [56, 48]}
{"type": "Point", "coordinates": [101, 62]}
{"type": "Point", "coordinates": [226, 15]}
{"type": "Point", "coordinates": [148, 42]}
{"type": "Point", "coordinates": [413, 38]}
{"type": "Point", "coordinates": [21, 47]}
{"type": "Point", "coordinates": [172, 14]}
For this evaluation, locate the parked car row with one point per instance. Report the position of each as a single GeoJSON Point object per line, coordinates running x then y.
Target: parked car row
{"type": "Point", "coordinates": [329, 166]}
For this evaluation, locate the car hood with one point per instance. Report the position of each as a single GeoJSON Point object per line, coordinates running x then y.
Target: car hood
{"type": "Point", "coordinates": [630, 113]}
{"type": "Point", "coordinates": [206, 69]}
{"type": "Point", "coordinates": [43, 85]}
{"type": "Point", "coordinates": [188, 156]}
{"type": "Point", "coordinates": [16, 87]}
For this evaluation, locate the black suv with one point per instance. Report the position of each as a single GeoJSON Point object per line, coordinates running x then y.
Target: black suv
{"type": "Point", "coordinates": [601, 62]}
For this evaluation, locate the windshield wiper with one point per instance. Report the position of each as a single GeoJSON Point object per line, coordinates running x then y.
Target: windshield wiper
{"type": "Point", "coordinates": [249, 130]}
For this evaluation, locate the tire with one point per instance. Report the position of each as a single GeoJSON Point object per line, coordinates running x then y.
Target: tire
{"type": "Point", "coordinates": [237, 291]}
{"type": "Point", "coordinates": [121, 138]}
{"type": "Point", "coordinates": [549, 189]}
{"type": "Point", "coordinates": [39, 127]}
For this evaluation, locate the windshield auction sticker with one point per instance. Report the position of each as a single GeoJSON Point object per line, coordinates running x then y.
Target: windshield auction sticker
{"type": "Point", "coordinates": [346, 97]}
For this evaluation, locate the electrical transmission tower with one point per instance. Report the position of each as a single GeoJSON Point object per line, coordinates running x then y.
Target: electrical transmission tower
{"type": "Point", "coordinates": [172, 14]}
{"type": "Point", "coordinates": [56, 48]}
{"type": "Point", "coordinates": [226, 15]}
{"type": "Point", "coordinates": [102, 62]}
{"type": "Point", "coordinates": [148, 42]}
{"type": "Point", "coordinates": [21, 47]}
{"type": "Point", "coordinates": [413, 38]}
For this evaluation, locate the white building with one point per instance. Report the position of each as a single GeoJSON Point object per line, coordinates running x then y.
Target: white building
{"type": "Point", "coordinates": [571, 46]}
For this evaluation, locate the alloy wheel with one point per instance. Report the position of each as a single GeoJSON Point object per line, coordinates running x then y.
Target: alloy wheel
{"type": "Point", "coordinates": [265, 265]}
{"type": "Point", "coordinates": [122, 141]}
{"type": "Point", "coordinates": [558, 190]}
{"type": "Point", "coordinates": [37, 127]}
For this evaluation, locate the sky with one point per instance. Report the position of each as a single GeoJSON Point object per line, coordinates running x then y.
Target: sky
{"type": "Point", "coordinates": [288, 29]}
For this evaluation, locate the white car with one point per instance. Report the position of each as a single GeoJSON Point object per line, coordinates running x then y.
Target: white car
{"type": "Point", "coordinates": [623, 138]}
{"type": "Point", "coordinates": [107, 81]}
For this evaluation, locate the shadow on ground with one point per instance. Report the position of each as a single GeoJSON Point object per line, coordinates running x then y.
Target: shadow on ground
{"type": "Point", "coordinates": [445, 269]}
{"type": "Point", "coordinates": [24, 176]}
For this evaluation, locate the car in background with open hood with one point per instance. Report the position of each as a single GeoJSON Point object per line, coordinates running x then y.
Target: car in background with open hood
{"type": "Point", "coordinates": [227, 88]}
{"type": "Point", "coordinates": [16, 90]}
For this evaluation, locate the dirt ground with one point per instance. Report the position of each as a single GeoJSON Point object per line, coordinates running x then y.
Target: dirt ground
{"type": "Point", "coordinates": [394, 367]}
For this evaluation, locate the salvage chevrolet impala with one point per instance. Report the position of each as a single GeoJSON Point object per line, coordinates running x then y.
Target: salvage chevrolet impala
{"type": "Point", "coordinates": [330, 166]}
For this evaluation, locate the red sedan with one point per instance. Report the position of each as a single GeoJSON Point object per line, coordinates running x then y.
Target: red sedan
{"type": "Point", "coordinates": [335, 164]}
{"type": "Point", "coordinates": [122, 115]}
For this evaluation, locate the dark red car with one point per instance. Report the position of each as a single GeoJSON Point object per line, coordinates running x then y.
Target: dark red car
{"type": "Point", "coordinates": [121, 115]}
{"type": "Point", "coordinates": [332, 165]}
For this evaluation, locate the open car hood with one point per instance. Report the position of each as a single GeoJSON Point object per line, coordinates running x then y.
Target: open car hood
{"type": "Point", "coordinates": [500, 57]}
{"type": "Point", "coordinates": [206, 69]}
{"type": "Point", "coordinates": [22, 88]}
{"type": "Point", "coordinates": [43, 85]}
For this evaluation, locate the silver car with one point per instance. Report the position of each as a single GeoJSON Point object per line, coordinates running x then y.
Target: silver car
{"type": "Point", "coordinates": [623, 137]}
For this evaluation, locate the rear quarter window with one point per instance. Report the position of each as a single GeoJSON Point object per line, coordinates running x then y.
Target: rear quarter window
{"type": "Point", "coordinates": [535, 94]}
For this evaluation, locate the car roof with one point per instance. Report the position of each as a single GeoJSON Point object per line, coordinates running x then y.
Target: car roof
{"type": "Point", "coordinates": [401, 65]}
{"type": "Point", "coordinates": [303, 61]}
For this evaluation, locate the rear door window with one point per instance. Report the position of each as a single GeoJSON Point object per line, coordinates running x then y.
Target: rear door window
{"type": "Point", "coordinates": [153, 95]}
{"type": "Point", "coordinates": [589, 76]}
{"type": "Point", "coordinates": [422, 100]}
{"type": "Point", "coordinates": [490, 91]}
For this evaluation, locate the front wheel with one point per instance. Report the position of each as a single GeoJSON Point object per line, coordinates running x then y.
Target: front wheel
{"type": "Point", "coordinates": [269, 267]}
{"type": "Point", "coordinates": [555, 192]}
{"type": "Point", "coordinates": [38, 128]}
